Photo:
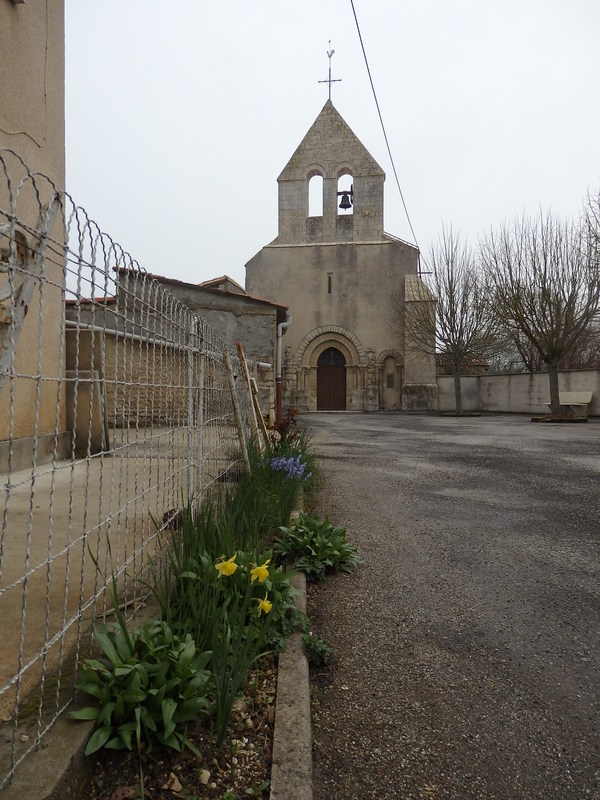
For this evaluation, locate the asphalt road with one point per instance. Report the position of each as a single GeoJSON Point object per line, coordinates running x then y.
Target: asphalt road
{"type": "Point", "coordinates": [466, 647]}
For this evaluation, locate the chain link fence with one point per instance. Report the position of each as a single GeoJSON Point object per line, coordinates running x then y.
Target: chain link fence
{"type": "Point", "coordinates": [116, 410]}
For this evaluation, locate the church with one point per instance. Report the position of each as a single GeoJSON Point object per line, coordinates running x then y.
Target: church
{"type": "Point", "coordinates": [346, 282]}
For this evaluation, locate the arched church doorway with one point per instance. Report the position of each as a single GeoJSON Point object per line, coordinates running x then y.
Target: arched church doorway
{"type": "Point", "coordinates": [331, 380]}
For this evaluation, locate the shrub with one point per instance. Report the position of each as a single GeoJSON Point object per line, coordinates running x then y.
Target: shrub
{"type": "Point", "coordinates": [147, 685]}
{"type": "Point", "coordinates": [314, 545]}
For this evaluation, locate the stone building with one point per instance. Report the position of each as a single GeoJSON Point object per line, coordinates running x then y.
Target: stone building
{"type": "Point", "coordinates": [345, 281]}
{"type": "Point", "coordinates": [123, 358]}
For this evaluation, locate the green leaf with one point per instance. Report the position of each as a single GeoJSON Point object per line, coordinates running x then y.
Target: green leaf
{"type": "Point", "coordinates": [133, 695]}
{"type": "Point", "coordinates": [97, 740]}
{"type": "Point", "coordinates": [143, 673]}
{"type": "Point", "coordinates": [124, 647]}
{"type": "Point", "coordinates": [125, 733]}
{"type": "Point", "coordinates": [138, 725]}
{"type": "Point", "coordinates": [92, 688]}
{"type": "Point", "coordinates": [188, 653]}
{"type": "Point", "coordinates": [103, 637]}
{"type": "Point", "coordinates": [91, 667]}
{"type": "Point", "coordinates": [171, 741]}
{"type": "Point", "coordinates": [115, 743]}
{"type": "Point", "coordinates": [169, 730]}
{"type": "Point", "coordinates": [104, 718]}
{"type": "Point", "coordinates": [87, 713]}
{"type": "Point", "coordinates": [191, 746]}
{"type": "Point", "coordinates": [148, 720]}
{"type": "Point", "coordinates": [169, 707]}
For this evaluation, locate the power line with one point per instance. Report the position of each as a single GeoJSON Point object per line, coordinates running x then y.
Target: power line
{"type": "Point", "coordinates": [382, 125]}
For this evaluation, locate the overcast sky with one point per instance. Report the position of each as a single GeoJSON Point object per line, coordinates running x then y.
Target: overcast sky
{"type": "Point", "coordinates": [180, 116]}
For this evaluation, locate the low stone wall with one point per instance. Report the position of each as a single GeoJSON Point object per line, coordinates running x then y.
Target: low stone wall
{"type": "Point", "coordinates": [518, 393]}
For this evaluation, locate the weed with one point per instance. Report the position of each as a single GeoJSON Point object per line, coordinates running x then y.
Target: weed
{"type": "Point", "coordinates": [316, 649]}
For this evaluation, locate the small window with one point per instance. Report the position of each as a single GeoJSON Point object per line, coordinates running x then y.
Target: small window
{"type": "Point", "coordinates": [315, 196]}
{"type": "Point", "coordinates": [390, 380]}
{"type": "Point", "coordinates": [329, 282]}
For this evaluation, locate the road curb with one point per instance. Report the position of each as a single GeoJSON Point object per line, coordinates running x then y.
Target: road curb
{"type": "Point", "coordinates": [291, 771]}
{"type": "Point", "coordinates": [58, 770]}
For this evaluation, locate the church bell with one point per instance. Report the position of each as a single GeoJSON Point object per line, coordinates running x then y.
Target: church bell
{"type": "Point", "coordinates": [346, 201]}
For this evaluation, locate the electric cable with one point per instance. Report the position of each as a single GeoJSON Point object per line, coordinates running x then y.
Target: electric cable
{"type": "Point", "coordinates": [383, 126]}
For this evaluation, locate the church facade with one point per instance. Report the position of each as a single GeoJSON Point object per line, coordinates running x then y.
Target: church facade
{"type": "Point", "coordinates": [345, 281]}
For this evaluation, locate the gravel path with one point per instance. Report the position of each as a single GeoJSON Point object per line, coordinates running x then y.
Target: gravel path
{"type": "Point", "coordinates": [466, 648]}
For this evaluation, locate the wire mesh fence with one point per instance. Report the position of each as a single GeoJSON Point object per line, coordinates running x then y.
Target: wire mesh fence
{"type": "Point", "coordinates": [116, 410]}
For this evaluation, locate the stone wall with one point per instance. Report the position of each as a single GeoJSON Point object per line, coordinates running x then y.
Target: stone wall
{"type": "Point", "coordinates": [518, 393]}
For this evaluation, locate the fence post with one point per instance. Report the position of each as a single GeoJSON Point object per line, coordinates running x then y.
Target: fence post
{"type": "Point", "coordinates": [190, 416]}
{"type": "Point", "coordinates": [200, 416]}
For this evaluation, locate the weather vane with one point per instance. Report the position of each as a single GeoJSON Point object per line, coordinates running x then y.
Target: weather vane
{"type": "Point", "coordinates": [330, 80]}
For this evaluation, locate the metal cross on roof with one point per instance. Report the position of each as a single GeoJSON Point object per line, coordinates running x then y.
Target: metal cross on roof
{"type": "Point", "coordinates": [330, 80]}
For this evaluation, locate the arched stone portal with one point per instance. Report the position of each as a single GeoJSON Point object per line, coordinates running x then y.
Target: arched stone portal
{"type": "Point", "coordinates": [323, 351]}
{"type": "Point", "coordinates": [331, 380]}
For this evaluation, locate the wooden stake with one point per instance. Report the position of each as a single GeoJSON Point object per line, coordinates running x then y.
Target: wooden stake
{"type": "Point", "coordinates": [246, 375]}
{"type": "Point", "coordinates": [261, 419]}
{"type": "Point", "coordinates": [236, 410]}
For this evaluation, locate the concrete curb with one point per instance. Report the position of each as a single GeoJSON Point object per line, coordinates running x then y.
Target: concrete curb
{"type": "Point", "coordinates": [58, 770]}
{"type": "Point", "coordinates": [291, 771]}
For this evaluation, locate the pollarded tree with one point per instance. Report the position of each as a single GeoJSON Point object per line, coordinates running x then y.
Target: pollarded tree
{"type": "Point", "coordinates": [461, 328]}
{"type": "Point", "coordinates": [544, 277]}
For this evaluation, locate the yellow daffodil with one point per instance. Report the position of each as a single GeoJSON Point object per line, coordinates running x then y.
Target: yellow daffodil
{"type": "Point", "coordinates": [226, 567]}
{"type": "Point", "coordinates": [264, 606]}
{"type": "Point", "coordinates": [260, 573]}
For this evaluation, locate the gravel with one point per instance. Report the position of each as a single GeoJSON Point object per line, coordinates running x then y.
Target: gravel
{"type": "Point", "coordinates": [465, 648]}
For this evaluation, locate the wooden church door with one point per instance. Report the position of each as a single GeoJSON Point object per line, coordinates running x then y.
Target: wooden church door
{"type": "Point", "coordinates": [331, 381]}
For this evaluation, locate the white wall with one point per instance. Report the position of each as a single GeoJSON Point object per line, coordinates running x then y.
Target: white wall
{"type": "Point", "coordinates": [521, 393]}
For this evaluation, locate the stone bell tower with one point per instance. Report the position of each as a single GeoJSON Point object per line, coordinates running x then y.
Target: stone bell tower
{"type": "Point", "coordinates": [315, 157]}
{"type": "Point", "coordinates": [343, 279]}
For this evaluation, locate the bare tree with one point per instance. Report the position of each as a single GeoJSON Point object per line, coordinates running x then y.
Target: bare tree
{"type": "Point", "coordinates": [521, 356]}
{"type": "Point", "coordinates": [461, 328]}
{"type": "Point", "coordinates": [545, 282]}
{"type": "Point", "coordinates": [591, 219]}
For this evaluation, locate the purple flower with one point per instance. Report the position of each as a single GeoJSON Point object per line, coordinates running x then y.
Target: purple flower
{"type": "Point", "coordinates": [292, 466]}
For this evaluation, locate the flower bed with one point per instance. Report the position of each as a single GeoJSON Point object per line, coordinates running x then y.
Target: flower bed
{"type": "Point", "coordinates": [179, 693]}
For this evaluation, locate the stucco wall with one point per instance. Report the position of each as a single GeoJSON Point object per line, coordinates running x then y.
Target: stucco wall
{"type": "Point", "coordinates": [32, 124]}
{"type": "Point", "coordinates": [519, 393]}
{"type": "Point", "coordinates": [32, 79]}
